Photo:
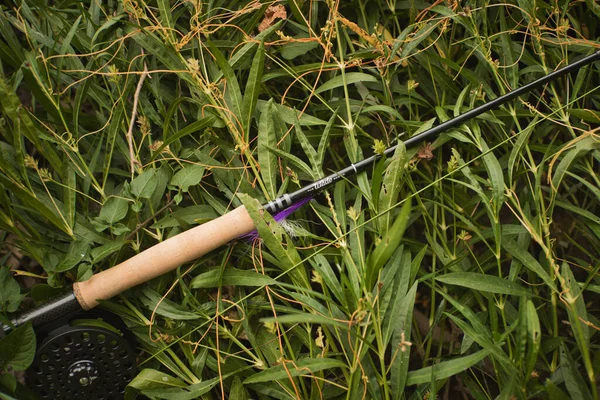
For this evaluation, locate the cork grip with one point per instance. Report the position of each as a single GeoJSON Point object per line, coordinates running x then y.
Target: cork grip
{"type": "Point", "coordinates": [163, 257]}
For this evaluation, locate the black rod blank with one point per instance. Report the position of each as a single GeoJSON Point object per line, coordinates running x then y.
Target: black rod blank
{"type": "Point", "coordinates": [287, 200]}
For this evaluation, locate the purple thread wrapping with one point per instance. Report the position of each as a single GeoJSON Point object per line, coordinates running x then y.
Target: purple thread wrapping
{"type": "Point", "coordinates": [280, 216]}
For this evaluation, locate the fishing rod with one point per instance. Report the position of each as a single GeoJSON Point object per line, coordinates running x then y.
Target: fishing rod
{"type": "Point", "coordinates": [193, 243]}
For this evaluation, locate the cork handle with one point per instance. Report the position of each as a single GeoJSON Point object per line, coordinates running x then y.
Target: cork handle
{"type": "Point", "coordinates": [163, 257]}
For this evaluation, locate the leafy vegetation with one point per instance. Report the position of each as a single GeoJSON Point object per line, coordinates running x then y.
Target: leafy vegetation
{"type": "Point", "coordinates": [465, 268]}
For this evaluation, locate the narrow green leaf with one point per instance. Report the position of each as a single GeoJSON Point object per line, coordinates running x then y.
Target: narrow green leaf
{"type": "Point", "coordinates": [305, 318]}
{"type": "Point", "coordinates": [384, 250]}
{"type": "Point", "coordinates": [494, 171]}
{"type": "Point", "coordinates": [232, 92]}
{"type": "Point", "coordinates": [484, 283]}
{"type": "Point", "coordinates": [198, 214]}
{"type": "Point", "coordinates": [158, 48]}
{"type": "Point", "coordinates": [291, 50]}
{"type": "Point", "coordinates": [309, 150]}
{"type": "Point", "coordinates": [238, 391]}
{"type": "Point", "coordinates": [247, 48]}
{"type": "Point", "coordinates": [534, 337]}
{"type": "Point", "coordinates": [528, 261]}
{"type": "Point", "coordinates": [350, 77]}
{"type": "Point", "coordinates": [518, 147]}
{"type": "Point", "coordinates": [276, 241]}
{"type": "Point", "coordinates": [298, 163]}
{"type": "Point", "coordinates": [166, 307]}
{"type": "Point", "coordinates": [150, 379]}
{"type": "Point", "coordinates": [267, 139]}
{"type": "Point", "coordinates": [70, 196]}
{"type": "Point", "coordinates": [166, 19]}
{"type": "Point", "coordinates": [401, 335]}
{"type": "Point", "coordinates": [289, 115]}
{"type": "Point", "coordinates": [324, 142]}
{"type": "Point", "coordinates": [445, 369]}
{"type": "Point", "coordinates": [106, 25]}
{"type": "Point", "coordinates": [190, 392]}
{"type": "Point", "coordinates": [101, 252]}
{"type": "Point", "coordinates": [33, 202]}
{"type": "Point", "coordinates": [66, 44]}
{"type": "Point", "coordinates": [570, 372]}
{"type": "Point", "coordinates": [580, 148]}
{"type": "Point", "coordinates": [188, 130]}
{"type": "Point", "coordinates": [577, 311]}
{"type": "Point", "coordinates": [390, 187]}
{"type": "Point", "coordinates": [252, 89]}
{"type": "Point", "coordinates": [231, 277]}
{"type": "Point", "coordinates": [302, 367]}
{"type": "Point", "coordinates": [587, 115]}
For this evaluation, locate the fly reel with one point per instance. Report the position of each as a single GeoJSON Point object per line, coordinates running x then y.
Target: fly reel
{"type": "Point", "coordinates": [80, 358]}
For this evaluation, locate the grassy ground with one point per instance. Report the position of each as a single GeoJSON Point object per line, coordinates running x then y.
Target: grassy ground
{"type": "Point", "coordinates": [466, 268]}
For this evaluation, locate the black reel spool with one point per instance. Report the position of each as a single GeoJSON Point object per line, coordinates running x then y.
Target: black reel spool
{"type": "Point", "coordinates": [88, 359]}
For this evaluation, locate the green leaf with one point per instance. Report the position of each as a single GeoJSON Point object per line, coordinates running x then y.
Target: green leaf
{"type": "Point", "coordinates": [305, 318]}
{"type": "Point", "coordinates": [518, 147]}
{"type": "Point", "coordinates": [534, 337]}
{"type": "Point", "coordinates": [78, 251]}
{"type": "Point", "coordinates": [166, 307]}
{"type": "Point", "coordinates": [144, 185]}
{"type": "Point", "coordinates": [494, 171]}
{"type": "Point", "coordinates": [231, 277]}
{"type": "Point", "coordinates": [17, 349]}
{"type": "Point", "coordinates": [577, 311]}
{"type": "Point", "coordinates": [246, 48]}
{"type": "Point", "coordinates": [349, 78]}
{"type": "Point", "coordinates": [188, 130]}
{"type": "Point", "coordinates": [484, 283]}
{"type": "Point", "coordinates": [150, 379]}
{"type": "Point", "coordinates": [573, 152]}
{"type": "Point", "coordinates": [310, 151]}
{"type": "Point", "coordinates": [390, 187]}
{"type": "Point", "coordinates": [252, 89]}
{"type": "Point", "coordinates": [291, 50]}
{"type": "Point", "coordinates": [276, 242]}
{"type": "Point", "coordinates": [237, 391]}
{"type": "Point", "coordinates": [298, 163]}
{"type": "Point", "coordinates": [384, 250]}
{"type": "Point", "coordinates": [114, 210]}
{"type": "Point", "coordinates": [289, 115]}
{"type": "Point", "coordinates": [574, 380]}
{"type": "Point", "coordinates": [190, 392]}
{"type": "Point", "coordinates": [528, 261]}
{"type": "Point", "coordinates": [401, 333]}
{"type": "Point", "coordinates": [101, 252]}
{"type": "Point", "coordinates": [445, 369]}
{"type": "Point", "coordinates": [10, 292]}
{"type": "Point", "coordinates": [232, 93]}
{"type": "Point", "coordinates": [166, 19]}
{"type": "Point", "coordinates": [187, 176]}
{"type": "Point", "coordinates": [267, 139]}
{"type": "Point", "coordinates": [302, 367]}
{"type": "Point", "coordinates": [198, 214]}
{"type": "Point", "coordinates": [324, 142]}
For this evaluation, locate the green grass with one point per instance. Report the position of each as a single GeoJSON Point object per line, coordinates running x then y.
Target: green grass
{"type": "Point", "coordinates": [466, 268]}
